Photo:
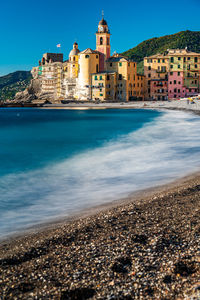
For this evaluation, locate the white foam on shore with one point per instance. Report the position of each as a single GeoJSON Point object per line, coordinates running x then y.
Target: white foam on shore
{"type": "Point", "coordinates": [160, 152]}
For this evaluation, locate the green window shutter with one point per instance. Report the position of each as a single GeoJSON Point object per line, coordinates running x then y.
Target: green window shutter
{"type": "Point", "coordinates": [95, 78]}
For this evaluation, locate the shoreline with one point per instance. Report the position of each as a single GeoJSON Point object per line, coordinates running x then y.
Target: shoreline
{"type": "Point", "coordinates": [138, 197]}
{"type": "Point", "coordinates": [157, 225]}
{"type": "Point", "coordinates": [185, 105]}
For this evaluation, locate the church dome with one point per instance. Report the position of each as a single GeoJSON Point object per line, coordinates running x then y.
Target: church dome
{"type": "Point", "coordinates": [75, 50]}
{"type": "Point", "coordinates": [103, 22]}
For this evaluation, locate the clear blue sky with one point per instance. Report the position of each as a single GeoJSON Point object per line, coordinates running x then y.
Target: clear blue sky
{"type": "Point", "coordinates": [31, 28]}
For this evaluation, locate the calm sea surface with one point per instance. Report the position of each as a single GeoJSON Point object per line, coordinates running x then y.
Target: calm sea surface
{"type": "Point", "coordinates": [57, 162]}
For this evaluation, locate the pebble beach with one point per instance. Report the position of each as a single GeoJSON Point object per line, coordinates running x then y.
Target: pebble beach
{"type": "Point", "coordinates": [145, 247]}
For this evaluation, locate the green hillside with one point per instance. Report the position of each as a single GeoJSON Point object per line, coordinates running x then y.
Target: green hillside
{"type": "Point", "coordinates": [189, 39]}
{"type": "Point", "coordinates": [12, 83]}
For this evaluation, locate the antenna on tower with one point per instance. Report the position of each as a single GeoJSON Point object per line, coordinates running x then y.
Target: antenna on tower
{"type": "Point", "coordinates": [102, 14]}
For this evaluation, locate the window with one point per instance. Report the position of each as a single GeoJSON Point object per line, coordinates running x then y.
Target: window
{"type": "Point", "coordinates": [158, 60]}
{"type": "Point", "coordinates": [170, 82]}
{"type": "Point", "coordinates": [171, 73]}
{"type": "Point", "coordinates": [97, 56]}
{"type": "Point", "coordinates": [179, 82]}
{"type": "Point", "coordinates": [179, 58]}
{"type": "Point", "coordinates": [100, 78]}
{"type": "Point", "coordinates": [129, 64]}
{"type": "Point", "coordinates": [149, 68]}
{"type": "Point", "coordinates": [95, 77]}
{"type": "Point", "coordinates": [108, 41]}
{"type": "Point", "coordinates": [184, 59]}
{"type": "Point", "coordinates": [179, 91]}
{"type": "Point", "coordinates": [120, 64]}
{"type": "Point", "coordinates": [175, 90]}
{"type": "Point", "coordinates": [163, 60]}
{"type": "Point", "coordinates": [97, 68]}
{"type": "Point", "coordinates": [110, 64]}
{"type": "Point", "coordinates": [101, 40]}
{"type": "Point", "coordinates": [120, 76]}
{"type": "Point", "coordinates": [179, 73]}
{"type": "Point", "coordinates": [179, 66]}
{"type": "Point", "coordinates": [172, 59]}
{"type": "Point", "coordinates": [149, 75]}
{"type": "Point", "coordinates": [171, 66]}
{"type": "Point", "coordinates": [196, 59]}
{"type": "Point", "coordinates": [196, 66]}
{"type": "Point", "coordinates": [188, 58]}
{"type": "Point", "coordinates": [87, 56]}
{"type": "Point", "coordinates": [108, 77]}
{"type": "Point", "coordinates": [174, 81]}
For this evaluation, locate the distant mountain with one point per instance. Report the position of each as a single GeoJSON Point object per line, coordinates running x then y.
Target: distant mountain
{"type": "Point", "coordinates": [14, 82]}
{"type": "Point", "coordinates": [189, 39]}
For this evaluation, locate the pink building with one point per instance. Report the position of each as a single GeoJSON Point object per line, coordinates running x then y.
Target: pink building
{"type": "Point", "coordinates": [176, 87]}
{"type": "Point", "coordinates": [159, 89]}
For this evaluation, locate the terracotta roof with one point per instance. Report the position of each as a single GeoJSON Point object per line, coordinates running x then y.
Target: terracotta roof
{"type": "Point", "coordinates": [89, 51]}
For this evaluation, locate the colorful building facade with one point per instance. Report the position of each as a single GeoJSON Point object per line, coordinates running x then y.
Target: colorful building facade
{"type": "Point", "coordinates": [179, 67]}
{"type": "Point", "coordinates": [91, 74]}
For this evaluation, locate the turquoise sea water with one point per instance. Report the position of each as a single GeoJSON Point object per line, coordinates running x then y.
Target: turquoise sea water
{"type": "Point", "coordinates": [57, 162]}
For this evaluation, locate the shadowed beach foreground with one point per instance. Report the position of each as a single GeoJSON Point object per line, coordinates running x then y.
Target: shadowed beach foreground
{"type": "Point", "coordinates": [147, 247]}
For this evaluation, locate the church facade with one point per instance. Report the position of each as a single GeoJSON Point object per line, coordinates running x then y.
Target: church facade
{"type": "Point", "coordinates": [90, 74]}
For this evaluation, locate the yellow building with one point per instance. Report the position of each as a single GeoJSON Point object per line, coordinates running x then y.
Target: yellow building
{"type": "Point", "coordinates": [104, 86]}
{"type": "Point", "coordinates": [127, 78]}
{"type": "Point", "coordinates": [73, 62]}
{"type": "Point", "coordinates": [88, 64]}
{"type": "Point", "coordinates": [139, 87]}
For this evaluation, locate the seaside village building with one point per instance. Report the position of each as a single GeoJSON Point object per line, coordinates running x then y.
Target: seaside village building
{"type": "Point", "coordinates": [90, 74]}
{"type": "Point", "coordinates": [172, 75]}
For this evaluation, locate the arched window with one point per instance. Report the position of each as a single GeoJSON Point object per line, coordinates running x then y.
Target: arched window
{"type": "Point", "coordinates": [97, 68]}
{"type": "Point", "coordinates": [101, 40]}
{"type": "Point", "coordinates": [87, 56]}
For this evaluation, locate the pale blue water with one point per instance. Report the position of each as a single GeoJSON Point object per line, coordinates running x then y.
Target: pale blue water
{"type": "Point", "coordinates": [58, 162]}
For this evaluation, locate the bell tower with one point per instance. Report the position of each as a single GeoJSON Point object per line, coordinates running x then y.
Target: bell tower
{"type": "Point", "coordinates": [103, 38]}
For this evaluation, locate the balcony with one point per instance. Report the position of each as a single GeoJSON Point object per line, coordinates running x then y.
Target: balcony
{"type": "Point", "coordinates": [161, 71]}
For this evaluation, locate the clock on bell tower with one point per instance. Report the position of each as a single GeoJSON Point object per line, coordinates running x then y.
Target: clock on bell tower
{"type": "Point", "coordinates": [103, 38]}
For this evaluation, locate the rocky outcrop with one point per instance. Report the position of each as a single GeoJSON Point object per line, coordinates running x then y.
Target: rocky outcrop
{"type": "Point", "coordinates": [30, 93]}
{"type": "Point", "coordinates": [33, 93]}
